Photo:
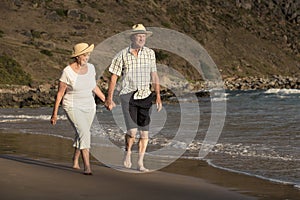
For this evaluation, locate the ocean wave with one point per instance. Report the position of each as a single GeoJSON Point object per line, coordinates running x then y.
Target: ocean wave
{"type": "Point", "coordinates": [13, 120]}
{"type": "Point", "coordinates": [54, 135]}
{"type": "Point", "coordinates": [294, 184]}
{"type": "Point", "coordinates": [282, 91]}
{"type": "Point", "coordinates": [252, 150]}
{"type": "Point", "coordinates": [16, 118]}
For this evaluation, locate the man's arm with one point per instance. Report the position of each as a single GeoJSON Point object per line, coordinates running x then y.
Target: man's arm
{"type": "Point", "coordinates": [156, 85]}
{"type": "Point", "coordinates": [109, 103]}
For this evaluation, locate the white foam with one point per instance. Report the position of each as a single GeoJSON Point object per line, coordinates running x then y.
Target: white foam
{"type": "Point", "coordinates": [254, 150]}
{"type": "Point", "coordinates": [53, 135]}
{"type": "Point", "coordinates": [257, 151]}
{"type": "Point", "coordinates": [216, 99]}
{"type": "Point", "coordinates": [13, 118]}
{"type": "Point", "coordinates": [282, 91]}
{"type": "Point", "coordinates": [253, 175]}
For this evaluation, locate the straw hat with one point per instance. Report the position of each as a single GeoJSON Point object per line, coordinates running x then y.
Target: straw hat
{"type": "Point", "coordinates": [138, 29]}
{"type": "Point", "coordinates": [81, 48]}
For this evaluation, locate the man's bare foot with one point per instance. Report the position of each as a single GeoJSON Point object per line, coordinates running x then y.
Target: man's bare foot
{"type": "Point", "coordinates": [127, 160]}
{"type": "Point", "coordinates": [143, 169]}
{"type": "Point", "coordinates": [140, 163]}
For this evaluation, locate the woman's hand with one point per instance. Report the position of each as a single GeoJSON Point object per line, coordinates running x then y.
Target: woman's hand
{"type": "Point", "coordinates": [53, 119]}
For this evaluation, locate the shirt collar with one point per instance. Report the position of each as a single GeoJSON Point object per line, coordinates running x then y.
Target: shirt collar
{"type": "Point", "coordinates": [129, 49]}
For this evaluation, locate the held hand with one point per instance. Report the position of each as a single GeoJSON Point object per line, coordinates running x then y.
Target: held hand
{"type": "Point", "coordinates": [109, 104]}
{"type": "Point", "coordinates": [113, 105]}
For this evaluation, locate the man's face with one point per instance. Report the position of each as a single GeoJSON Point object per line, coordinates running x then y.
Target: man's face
{"type": "Point", "coordinates": [138, 40]}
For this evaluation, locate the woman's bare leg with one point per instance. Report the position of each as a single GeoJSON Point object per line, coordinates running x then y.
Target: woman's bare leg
{"type": "Point", "coordinates": [76, 158]}
{"type": "Point", "coordinates": [86, 161]}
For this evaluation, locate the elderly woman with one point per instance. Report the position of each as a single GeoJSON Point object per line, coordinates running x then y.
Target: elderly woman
{"type": "Point", "coordinates": [77, 86]}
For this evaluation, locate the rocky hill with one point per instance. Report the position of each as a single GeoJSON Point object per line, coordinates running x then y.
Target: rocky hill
{"type": "Point", "coordinates": [245, 38]}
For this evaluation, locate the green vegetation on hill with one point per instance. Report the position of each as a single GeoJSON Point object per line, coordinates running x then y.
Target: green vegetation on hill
{"type": "Point", "coordinates": [244, 38]}
{"type": "Point", "coordinates": [12, 73]}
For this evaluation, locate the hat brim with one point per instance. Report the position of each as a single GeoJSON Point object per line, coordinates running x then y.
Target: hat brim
{"type": "Point", "coordinates": [86, 50]}
{"type": "Point", "coordinates": [148, 33]}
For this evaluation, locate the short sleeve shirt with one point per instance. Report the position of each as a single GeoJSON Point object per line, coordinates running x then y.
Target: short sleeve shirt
{"type": "Point", "coordinates": [135, 71]}
{"type": "Point", "coordinates": [79, 92]}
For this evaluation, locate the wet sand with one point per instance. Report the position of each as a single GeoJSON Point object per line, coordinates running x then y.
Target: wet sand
{"type": "Point", "coordinates": [39, 167]}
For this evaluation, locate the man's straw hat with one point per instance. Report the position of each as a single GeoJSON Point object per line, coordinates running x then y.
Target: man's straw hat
{"type": "Point", "coordinates": [140, 29]}
{"type": "Point", "coordinates": [81, 48]}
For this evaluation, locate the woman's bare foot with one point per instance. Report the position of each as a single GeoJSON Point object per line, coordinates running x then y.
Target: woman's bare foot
{"type": "Point", "coordinates": [76, 166]}
{"type": "Point", "coordinates": [88, 171]}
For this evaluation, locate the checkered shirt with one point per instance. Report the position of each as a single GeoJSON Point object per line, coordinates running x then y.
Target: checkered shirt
{"type": "Point", "coordinates": [135, 71]}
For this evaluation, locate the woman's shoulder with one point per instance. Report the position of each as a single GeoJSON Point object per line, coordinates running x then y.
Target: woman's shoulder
{"type": "Point", "coordinates": [91, 68]}
{"type": "Point", "coordinates": [67, 68]}
{"type": "Point", "coordinates": [90, 65]}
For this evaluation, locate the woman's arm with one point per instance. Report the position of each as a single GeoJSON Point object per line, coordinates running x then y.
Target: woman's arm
{"type": "Point", "coordinates": [60, 93]}
{"type": "Point", "coordinates": [99, 93]}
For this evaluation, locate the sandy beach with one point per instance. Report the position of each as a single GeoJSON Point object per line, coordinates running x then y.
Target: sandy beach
{"type": "Point", "coordinates": [39, 167]}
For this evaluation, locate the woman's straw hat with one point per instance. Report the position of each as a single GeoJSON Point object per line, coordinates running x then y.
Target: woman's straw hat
{"type": "Point", "coordinates": [81, 48]}
{"type": "Point", "coordinates": [140, 29]}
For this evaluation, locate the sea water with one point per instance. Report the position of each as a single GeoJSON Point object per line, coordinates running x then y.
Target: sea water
{"type": "Point", "coordinates": [260, 136]}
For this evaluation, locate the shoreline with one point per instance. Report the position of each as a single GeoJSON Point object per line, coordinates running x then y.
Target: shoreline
{"type": "Point", "coordinates": [19, 96]}
{"type": "Point", "coordinates": [58, 151]}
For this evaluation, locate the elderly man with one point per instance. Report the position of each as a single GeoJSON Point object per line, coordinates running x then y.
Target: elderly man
{"type": "Point", "coordinates": [137, 66]}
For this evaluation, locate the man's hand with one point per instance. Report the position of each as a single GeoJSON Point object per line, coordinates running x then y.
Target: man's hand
{"type": "Point", "coordinates": [158, 104]}
{"type": "Point", "coordinates": [109, 104]}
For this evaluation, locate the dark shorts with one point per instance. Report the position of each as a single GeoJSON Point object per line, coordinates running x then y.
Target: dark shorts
{"type": "Point", "coordinates": [136, 111]}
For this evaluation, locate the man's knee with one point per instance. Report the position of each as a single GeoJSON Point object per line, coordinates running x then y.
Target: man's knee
{"type": "Point", "coordinates": [131, 133]}
{"type": "Point", "coordinates": [144, 134]}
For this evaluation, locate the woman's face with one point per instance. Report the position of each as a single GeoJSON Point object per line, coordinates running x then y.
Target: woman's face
{"type": "Point", "coordinates": [83, 58]}
{"type": "Point", "coordinates": [138, 40]}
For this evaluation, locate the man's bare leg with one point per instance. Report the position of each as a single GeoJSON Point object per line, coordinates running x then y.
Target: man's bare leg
{"type": "Point", "coordinates": [143, 142]}
{"type": "Point", "coordinates": [76, 158]}
{"type": "Point", "coordinates": [129, 141]}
